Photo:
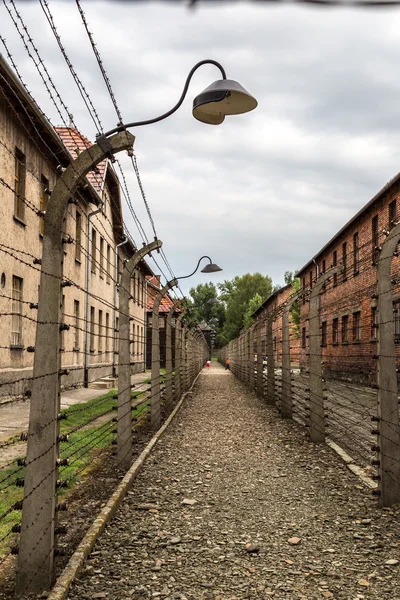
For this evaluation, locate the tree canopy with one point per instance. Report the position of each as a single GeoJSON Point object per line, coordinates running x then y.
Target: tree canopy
{"type": "Point", "coordinates": [239, 299]}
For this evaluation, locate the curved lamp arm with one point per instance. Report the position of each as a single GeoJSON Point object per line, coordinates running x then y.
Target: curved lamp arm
{"type": "Point", "coordinates": [207, 61]}
{"type": "Point", "coordinates": [196, 269]}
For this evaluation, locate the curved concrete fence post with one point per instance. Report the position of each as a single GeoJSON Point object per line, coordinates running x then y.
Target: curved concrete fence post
{"type": "Point", "coordinates": [388, 410]}
{"type": "Point", "coordinates": [168, 354]}
{"type": "Point", "coordinates": [155, 402]}
{"type": "Point", "coordinates": [317, 409]}
{"type": "Point", "coordinates": [287, 402]}
{"type": "Point", "coordinates": [178, 357]}
{"type": "Point", "coordinates": [124, 430]}
{"type": "Point", "coordinates": [270, 396]}
{"type": "Point", "coordinates": [36, 555]}
{"type": "Point", "coordinates": [260, 365]}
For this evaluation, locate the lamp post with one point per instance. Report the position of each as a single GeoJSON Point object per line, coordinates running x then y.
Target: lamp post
{"type": "Point", "coordinates": [222, 98]}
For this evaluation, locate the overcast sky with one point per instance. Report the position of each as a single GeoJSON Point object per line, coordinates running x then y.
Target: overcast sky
{"type": "Point", "coordinates": [263, 191]}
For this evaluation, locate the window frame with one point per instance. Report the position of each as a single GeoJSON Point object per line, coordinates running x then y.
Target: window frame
{"type": "Point", "coordinates": [16, 313]}
{"type": "Point", "coordinates": [19, 185]}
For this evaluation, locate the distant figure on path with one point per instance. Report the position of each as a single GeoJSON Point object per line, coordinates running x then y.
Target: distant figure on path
{"type": "Point", "coordinates": [227, 364]}
{"type": "Point", "coordinates": [208, 363]}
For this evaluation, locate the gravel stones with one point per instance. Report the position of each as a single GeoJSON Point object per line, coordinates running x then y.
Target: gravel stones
{"type": "Point", "coordinates": [244, 468]}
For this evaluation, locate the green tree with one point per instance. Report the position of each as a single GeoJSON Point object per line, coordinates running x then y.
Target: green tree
{"type": "Point", "coordinates": [201, 310]}
{"type": "Point", "coordinates": [237, 294]}
{"type": "Point", "coordinates": [254, 303]}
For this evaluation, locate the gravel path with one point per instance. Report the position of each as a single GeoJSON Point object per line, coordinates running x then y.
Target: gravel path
{"type": "Point", "coordinates": [235, 503]}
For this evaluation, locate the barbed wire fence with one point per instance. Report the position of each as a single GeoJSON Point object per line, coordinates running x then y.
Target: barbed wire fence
{"type": "Point", "coordinates": [43, 510]}
{"type": "Point", "coordinates": [335, 372]}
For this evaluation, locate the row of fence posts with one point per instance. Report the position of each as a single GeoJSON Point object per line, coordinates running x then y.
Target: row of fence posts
{"type": "Point", "coordinates": [242, 350]}
{"type": "Point", "coordinates": [38, 544]}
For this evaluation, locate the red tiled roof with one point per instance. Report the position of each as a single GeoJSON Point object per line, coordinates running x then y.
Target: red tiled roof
{"type": "Point", "coordinates": [166, 302]}
{"type": "Point", "coordinates": [76, 142]}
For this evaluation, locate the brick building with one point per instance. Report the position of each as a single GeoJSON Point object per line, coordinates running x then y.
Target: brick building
{"type": "Point", "coordinates": [348, 300]}
{"type": "Point", "coordinates": [274, 304]}
{"type": "Point", "coordinates": [31, 151]}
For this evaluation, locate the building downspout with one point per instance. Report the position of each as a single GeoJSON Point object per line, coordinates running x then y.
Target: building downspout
{"type": "Point", "coordinates": [88, 270]}
{"type": "Point", "coordinates": [114, 364]}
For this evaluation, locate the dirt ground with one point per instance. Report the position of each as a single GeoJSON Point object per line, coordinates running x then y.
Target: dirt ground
{"type": "Point", "coordinates": [236, 503]}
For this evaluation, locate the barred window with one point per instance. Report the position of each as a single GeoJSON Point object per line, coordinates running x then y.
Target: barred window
{"type": "Point", "coordinates": [344, 260]}
{"type": "Point", "coordinates": [100, 343]}
{"type": "Point", "coordinates": [16, 320]}
{"type": "Point", "coordinates": [19, 184]}
{"type": "Point", "coordinates": [107, 332]}
{"type": "Point", "coordinates": [93, 266]}
{"type": "Point", "coordinates": [78, 235]}
{"type": "Point", "coordinates": [76, 318]}
{"type": "Point", "coordinates": [109, 266]}
{"type": "Point", "coordinates": [44, 193]}
{"type": "Point", "coordinates": [356, 253]}
{"type": "Point", "coordinates": [91, 329]}
{"type": "Point", "coordinates": [101, 258]}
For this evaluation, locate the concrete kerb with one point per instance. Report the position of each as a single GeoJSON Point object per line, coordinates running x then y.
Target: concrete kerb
{"type": "Point", "coordinates": [351, 465]}
{"type": "Point", "coordinates": [64, 581]}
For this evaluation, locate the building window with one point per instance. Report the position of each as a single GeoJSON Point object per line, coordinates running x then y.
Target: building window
{"type": "Point", "coordinates": [374, 316]}
{"type": "Point", "coordinates": [142, 339]}
{"type": "Point", "coordinates": [133, 339]}
{"type": "Point", "coordinates": [62, 336]}
{"type": "Point", "coordinates": [356, 254]}
{"type": "Point", "coordinates": [396, 315]}
{"type": "Point", "coordinates": [357, 326]}
{"type": "Point", "coordinates": [323, 268]}
{"type": "Point", "coordinates": [344, 260]}
{"type": "Point", "coordinates": [134, 287]}
{"type": "Point", "coordinates": [392, 214]}
{"type": "Point", "coordinates": [91, 329]}
{"type": "Point", "coordinates": [375, 239]}
{"type": "Point", "coordinates": [117, 328]}
{"type": "Point", "coordinates": [335, 331]}
{"type": "Point", "coordinates": [109, 267]}
{"type": "Point", "coordinates": [107, 332]}
{"type": "Point", "coordinates": [16, 309]}
{"type": "Point", "coordinates": [44, 192]}
{"type": "Point", "coordinates": [304, 290]}
{"type": "Point", "coordinates": [310, 279]}
{"type": "Point", "coordinates": [274, 344]}
{"type": "Point", "coordinates": [323, 333]}
{"type": "Point", "coordinates": [19, 185]}
{"type": "Point", "coordinates": [100, 344]}
{"type": "Point", "coordinates": [93, 265]}
{"type": "Point", "coordinates": [335, 265]}
{"type": "Point", "coordinates": [101, 261]}
{"type": "Point", "coordinates": [161, 322]}
{"type": "Point", "coordinates": [76, 318]}
{"type": "Point", "coordinates": [345, 329]}
{"type": "Point", "coordinates": [138, 339]}
{"type": "Point", "coordinates": [78, 235]}
{"type": "Point", "coordinates": [303, 337]}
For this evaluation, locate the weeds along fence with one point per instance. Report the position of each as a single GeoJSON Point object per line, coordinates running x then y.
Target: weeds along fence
{"type": "Point", "coordinates": [54, 476]}
{"type": "Point", "coordinates": [336, 371]}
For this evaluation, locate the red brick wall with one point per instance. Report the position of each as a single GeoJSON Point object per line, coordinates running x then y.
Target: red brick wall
{"type": "Point", "coordinates": [351, 292]}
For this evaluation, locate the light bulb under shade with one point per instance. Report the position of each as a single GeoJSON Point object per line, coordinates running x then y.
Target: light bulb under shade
{"type": "Point", "coordinates": [221, 98]}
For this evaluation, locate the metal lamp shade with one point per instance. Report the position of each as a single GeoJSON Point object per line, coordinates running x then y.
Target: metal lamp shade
{"type": "Point", "coordinates": [213, 301]}
{"type": "Point", "coordinates": [211, 268]}
{"type": "Point", "coordinates": [221, 98]}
